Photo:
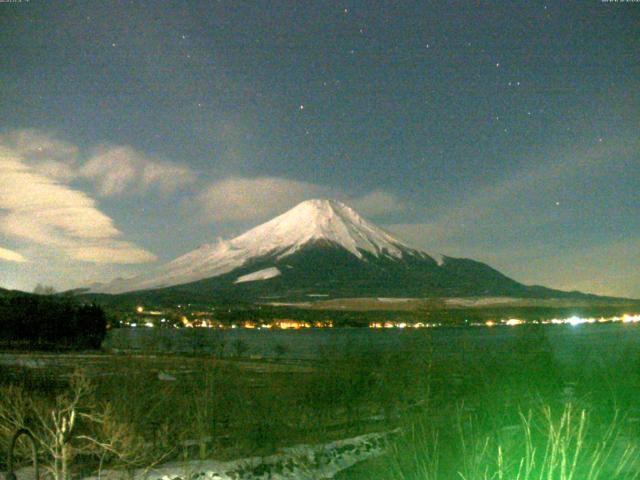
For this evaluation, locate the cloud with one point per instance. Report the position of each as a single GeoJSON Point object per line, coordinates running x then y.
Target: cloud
{"type": "Point", "coordinates": [114, 251]}
{"type": "Point", "coordinates": [606, 268]}
{"type": "Point", "coordinates": [120, 169]}
{"type": "Point", "coordinates": [35, 144]}
{"type": "Point", "coordinates": [378, 202]}
{"type": "Point", "coordinates": [45, 153]}
{"type": "Point", "coordinates": [242, 199]}
{"type": "Point", "coordinates": [520, 223]}
{"type": "Point", "coordinates": [39, 208]}
{"type": "Point", "coordinates": [524, 200]}
{"type": "Point", "coordinates": [11, 256]}
{"type": "Point", "coordinates": [245, 199]}
{"type": "Point", "coordinates": [114, 169]}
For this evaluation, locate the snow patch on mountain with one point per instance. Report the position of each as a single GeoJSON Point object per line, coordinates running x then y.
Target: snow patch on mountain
{"type": "Point", "coordinates": [264, 274]}
{"type": "Point", "coordinates": [480, 301]}
{"type": "Point", "coordinates": [309, 221]}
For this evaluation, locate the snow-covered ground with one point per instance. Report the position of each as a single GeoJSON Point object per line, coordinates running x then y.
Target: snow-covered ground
{"type": "Point", "coordinates": [300, 462]}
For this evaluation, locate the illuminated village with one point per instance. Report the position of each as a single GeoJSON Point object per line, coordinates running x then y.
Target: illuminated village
{"type": "Point", "coordinates": [150, 318]}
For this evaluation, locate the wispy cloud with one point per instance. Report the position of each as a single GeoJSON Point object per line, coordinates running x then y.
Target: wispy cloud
{"type": "Point", "coordinates": [241, 199]}
{"type": "Point", "coordinates": [39, 208]}
{"type": "Point", "coordinates": [540, 224]}
{"type": "Point", "coordinates": [122, 169]}
{"type": "Point", "coordinates": [378, 202]}
{"type": "Point", "coordinates": [587, 268]}
{"type": "Point", "coordinates": [113, 169]}
{"type": "Point", "coordinates": [44, 152]}
{"type": "Point", "coordinates": [11, 256]}
{"type": "Point", "coordinates": [526, 199]}
{"type": "Point", "coordinates": [245, 199]}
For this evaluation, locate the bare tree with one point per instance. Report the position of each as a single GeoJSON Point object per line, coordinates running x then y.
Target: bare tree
{"type": "Point", "coordinates": [75, 425]}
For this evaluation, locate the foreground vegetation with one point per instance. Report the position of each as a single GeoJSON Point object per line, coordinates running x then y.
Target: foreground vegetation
{"type": "Point", "coordinates": [477, 415]}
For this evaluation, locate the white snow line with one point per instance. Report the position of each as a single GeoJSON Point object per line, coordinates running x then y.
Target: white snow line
{"type": "Point", "coordinates": [299, 462]}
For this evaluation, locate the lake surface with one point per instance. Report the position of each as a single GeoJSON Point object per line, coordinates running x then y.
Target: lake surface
{"type": "Point", "coordinates": [596, 343]}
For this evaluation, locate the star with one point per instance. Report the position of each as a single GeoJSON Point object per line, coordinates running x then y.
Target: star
{"type": "Point", "coordinates": [114, 44]}
{"type": "Point", "coordinates": [301, 107]}
{"type": "Point", "coordinates": [498, 65]}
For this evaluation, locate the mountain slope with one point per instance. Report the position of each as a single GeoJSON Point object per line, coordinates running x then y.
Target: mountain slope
{"type": "Point", "coordinates": [308, 222]}
{"type": "Point", "coordinates": [321, 248]}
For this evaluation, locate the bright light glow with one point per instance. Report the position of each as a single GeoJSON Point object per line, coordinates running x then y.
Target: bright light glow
{"type": "Point", "coordinates": [139, 309]}
{"type": "Point", "coordinates": [514, 321]}
{"type": "Point", "coordinates": [575, 320]}
{"type": "Point", "coordinates": [294, 324]}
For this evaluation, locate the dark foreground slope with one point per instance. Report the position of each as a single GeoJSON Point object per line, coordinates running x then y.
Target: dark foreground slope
{"type": "Point", "coordinates": [323, 270]}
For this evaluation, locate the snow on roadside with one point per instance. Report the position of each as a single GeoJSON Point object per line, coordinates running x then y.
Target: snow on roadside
{"type": "Point", "coordinates": [300, 462]}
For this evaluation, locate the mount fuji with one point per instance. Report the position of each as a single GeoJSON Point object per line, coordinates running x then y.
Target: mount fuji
{"type": "Point", "coordinates": [321, 248]}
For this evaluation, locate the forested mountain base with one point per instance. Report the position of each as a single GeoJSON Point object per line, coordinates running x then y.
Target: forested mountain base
{"type": "Point", "coordinates": [49, 322]}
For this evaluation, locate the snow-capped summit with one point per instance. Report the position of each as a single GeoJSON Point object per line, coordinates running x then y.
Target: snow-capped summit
{"type": "Point", "coordinates": [316, 220]}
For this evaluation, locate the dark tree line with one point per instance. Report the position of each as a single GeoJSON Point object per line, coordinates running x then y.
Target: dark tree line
{"type": "Point", "coordinates": [38, 321]}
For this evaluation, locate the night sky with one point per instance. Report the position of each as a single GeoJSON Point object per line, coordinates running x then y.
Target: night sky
{"type": "Point", "coordinates": [507, 132]}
